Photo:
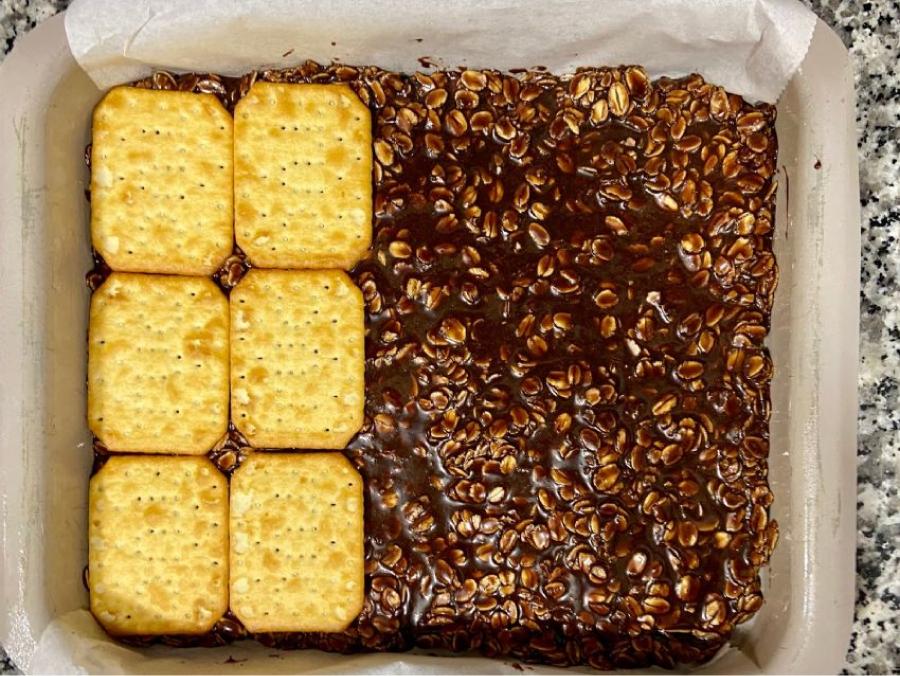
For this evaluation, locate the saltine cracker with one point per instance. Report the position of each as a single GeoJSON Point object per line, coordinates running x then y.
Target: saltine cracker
{"type": "Point", "coordinates": [162, 181]}
{"type": "Point", "coordinates": [158, 545]}
{"type": "Point", "coordinates": [297, 358]}
{"type": "Point", "coordinates": [302, 175]}
{"type": "Point", "coordinates": [158, 363]}
{"type": "Point", "coordinates": [297, 550]}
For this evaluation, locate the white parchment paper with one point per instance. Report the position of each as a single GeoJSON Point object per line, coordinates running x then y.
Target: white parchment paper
{"type": "Point", "coordinates": [751, 47]}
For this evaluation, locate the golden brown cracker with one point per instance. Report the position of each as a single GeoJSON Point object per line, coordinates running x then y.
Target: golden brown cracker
{"type": "Point", "coordinates": [297, 552]}
{"type": "Point", "coordinates": [158, 364]}
{"type": "Point", "coordinates": [302, 176]}
{"type": "Point", "coordinates": [297, 358]}
{"type": "Point", "coordinates": [158, 545]}
{"type": "Point", "coordinates": [162, 181]}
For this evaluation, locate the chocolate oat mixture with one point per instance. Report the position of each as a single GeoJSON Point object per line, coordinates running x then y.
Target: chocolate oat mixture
{"type": "Point", "coordinates": [567, 388]}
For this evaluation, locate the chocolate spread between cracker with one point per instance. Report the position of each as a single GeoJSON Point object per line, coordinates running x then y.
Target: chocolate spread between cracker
{"type": "Point", "coordinates": [567, 413]}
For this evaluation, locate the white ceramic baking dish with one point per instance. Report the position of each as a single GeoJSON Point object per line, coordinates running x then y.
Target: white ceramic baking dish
{"type": "Point", "coordinates": [45, 452]}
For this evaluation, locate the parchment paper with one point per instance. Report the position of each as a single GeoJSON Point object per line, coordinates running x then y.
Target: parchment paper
{"type": "Point", "coordinates": [751, 47]}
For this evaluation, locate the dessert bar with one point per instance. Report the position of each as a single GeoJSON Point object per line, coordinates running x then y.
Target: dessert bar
{"type": "Point", "coordinates": [563, 449]}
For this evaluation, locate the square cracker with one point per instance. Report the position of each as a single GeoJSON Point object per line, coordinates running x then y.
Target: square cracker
{"type": "Point", "coordinates": [302, 176]}
{"type": "Point", "coordinates": [158, 545]}
{"type": "Point", "coordinates": [158, 364]}
{"type": "Point", "coordinates": [297, 358]}
{"type": "Point", "coordinates": [297, 553]}
{"type": "Point", "coordinates": [162, 181]}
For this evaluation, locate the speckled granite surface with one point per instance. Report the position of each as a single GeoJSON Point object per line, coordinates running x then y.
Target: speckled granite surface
{"type": "Point", "coordinates": [870, 30]}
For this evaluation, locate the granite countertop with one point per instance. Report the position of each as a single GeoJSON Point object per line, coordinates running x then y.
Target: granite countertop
{"type": "Point", "coordinates": [870, 30]}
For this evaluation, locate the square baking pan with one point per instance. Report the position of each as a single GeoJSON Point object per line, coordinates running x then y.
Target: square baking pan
{"type": "Point", "coordinates": [45, 447]}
